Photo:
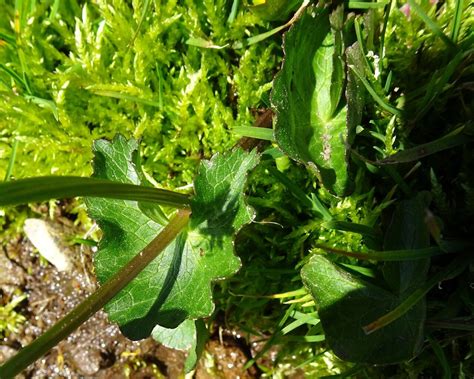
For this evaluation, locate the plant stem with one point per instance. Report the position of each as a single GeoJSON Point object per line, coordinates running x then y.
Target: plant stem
{"type": "Point", "coordinates": [96, 301]}
{"type": "Point", "coordinates": [57, 187]}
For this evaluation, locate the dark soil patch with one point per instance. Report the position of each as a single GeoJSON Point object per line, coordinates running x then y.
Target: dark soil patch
{"type": "Point", "coordinates": [96, 349]}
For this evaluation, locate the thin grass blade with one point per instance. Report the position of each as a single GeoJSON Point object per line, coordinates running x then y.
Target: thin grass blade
{"type": "Point", "coordinates": [56, 187]}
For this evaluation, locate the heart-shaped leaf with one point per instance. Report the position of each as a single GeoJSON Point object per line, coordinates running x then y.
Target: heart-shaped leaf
{"type": "Point", "coordinates": [177, 284]}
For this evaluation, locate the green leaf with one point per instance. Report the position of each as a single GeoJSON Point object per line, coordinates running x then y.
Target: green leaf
{"type": "Point", "coordinates": [346, 304]}
{"type": "Point", "coordinates": [407, 230]}
{"type": "Point", "coordinates": [307, 96]}
{"type": "Point", "coordinates": [189, 336]}
{"type": "Point", "coordinates": [202, 335]}
{"type": "Point", "coordinates": [177, 284]}
{"type": "Point", "coordinates": [367, 4]}
{"type": "Point", "coordinates": [355, 90]}
{"type": "Point", "coordinates": [254, 132]}
{"type": "Point", "coordinates": [183, 337]}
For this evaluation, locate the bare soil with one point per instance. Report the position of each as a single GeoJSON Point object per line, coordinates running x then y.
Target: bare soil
{"type": "Point", "coordinates": [97, 349]}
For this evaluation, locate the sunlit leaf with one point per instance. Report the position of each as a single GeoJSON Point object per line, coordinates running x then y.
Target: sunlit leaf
{"type": "Point", "coordinates": [177, 284]}
{"type": "Point", "coordinates": [311, 112]}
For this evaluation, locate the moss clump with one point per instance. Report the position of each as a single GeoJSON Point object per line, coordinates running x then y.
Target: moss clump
{"type": "Point", "coordinates": [11, 320]}
{"type": "Point", "coordinates": [72, 72]}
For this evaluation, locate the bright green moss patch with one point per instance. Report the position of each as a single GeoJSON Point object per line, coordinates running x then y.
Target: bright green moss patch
{"type": "Point", "coordinates": [72, 73]}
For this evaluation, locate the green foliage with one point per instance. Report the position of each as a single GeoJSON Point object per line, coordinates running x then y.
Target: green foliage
{"type": "Point", "coordinates": [392, 82]}
{"type": "Point", "coordinates": [11, 320]}
{"type": "Point", "coordinates": [346, 304]}
{"type": "Point", "coordinates": [73, 74]}
{"type": "Point", "coordinates": [176, 285]}
{"type": "Point", "coordinates": [275, 9]}
{"type": "Point", "coordinates": [311, 117]}
{"type": "Point", "coordinates": [189, 336]}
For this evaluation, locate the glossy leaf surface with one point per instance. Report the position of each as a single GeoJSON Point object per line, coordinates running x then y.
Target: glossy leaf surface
{"type": "Point", "coordinates": [308, 96]}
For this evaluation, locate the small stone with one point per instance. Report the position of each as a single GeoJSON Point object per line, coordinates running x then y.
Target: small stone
{"type": "Point", "coordinates": [40, 236]}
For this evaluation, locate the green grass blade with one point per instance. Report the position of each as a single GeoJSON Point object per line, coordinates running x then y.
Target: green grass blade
{"type": "Point", "coordinates": [431, 24]}
{"type": "Point", "coordinates": [360, 40]}
{"type": "Point", "coordinates": [273, 339]}
{"type": "Point", "coordinates": [378, 99]}
{"type": "Point", "coordinates": [457, 20]}
{"type": "Point", "coordinates": [388, 82]}
{"type": "Point", "coordinates": [11, 161]}
{"type": "Point", "coordinates": [302, 339]}
{"type": "Point", "coordinates": [25, 71]}
{"type": "Point", "coordinates": [122, 96]}
{"type": "Point", "coordinates": [318, 206]}
{"type": "Point", "coordinates": [353, 227]}
{"type": "Point", "coordinates": [382, 42]}
{"type": "Point", "coordinates": [263, 36]}
{"type": "Point", "coordinates": [390, 170]}
{"type": "Point", "coordinates": [13, 75]}
{"type": "Point", "coordinates": [456, 138]}
{"type": "Point", "coordinates": [43, 103]}
{"type": "Point", "coordinates": [54, 9]}
{"type": "Point", "coordinates": [438, 83]}
{"type": "Point", "coordinates": [146, 7]}
{"type": "Point", "coordinates": [233, 12]}
{"type": "Point", "coordinates": [309, 319]}
{"type": "Point", "coordinates": [467, 325]}
{"type": "Point", "coordinates": [367, 4]}
{"type": "Point", "coordinates": [453, 269]}
{"type": "Point", "coordinates": [56, 187]}
{"type": "Point", "coordinates": [8, 38]}
{"type": "Point", "coordinates": [205, 44]}
{"type": "Point", "coordinates": [438, 350]}
{"type": "Point", "coordinates": [254, 132]}
{"type": "Point", "coordinates": [388, 255]}
{"type": "Point", "coordinates": [294, 189]}
{"type": "Point", "coordinates": [384, 104]}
